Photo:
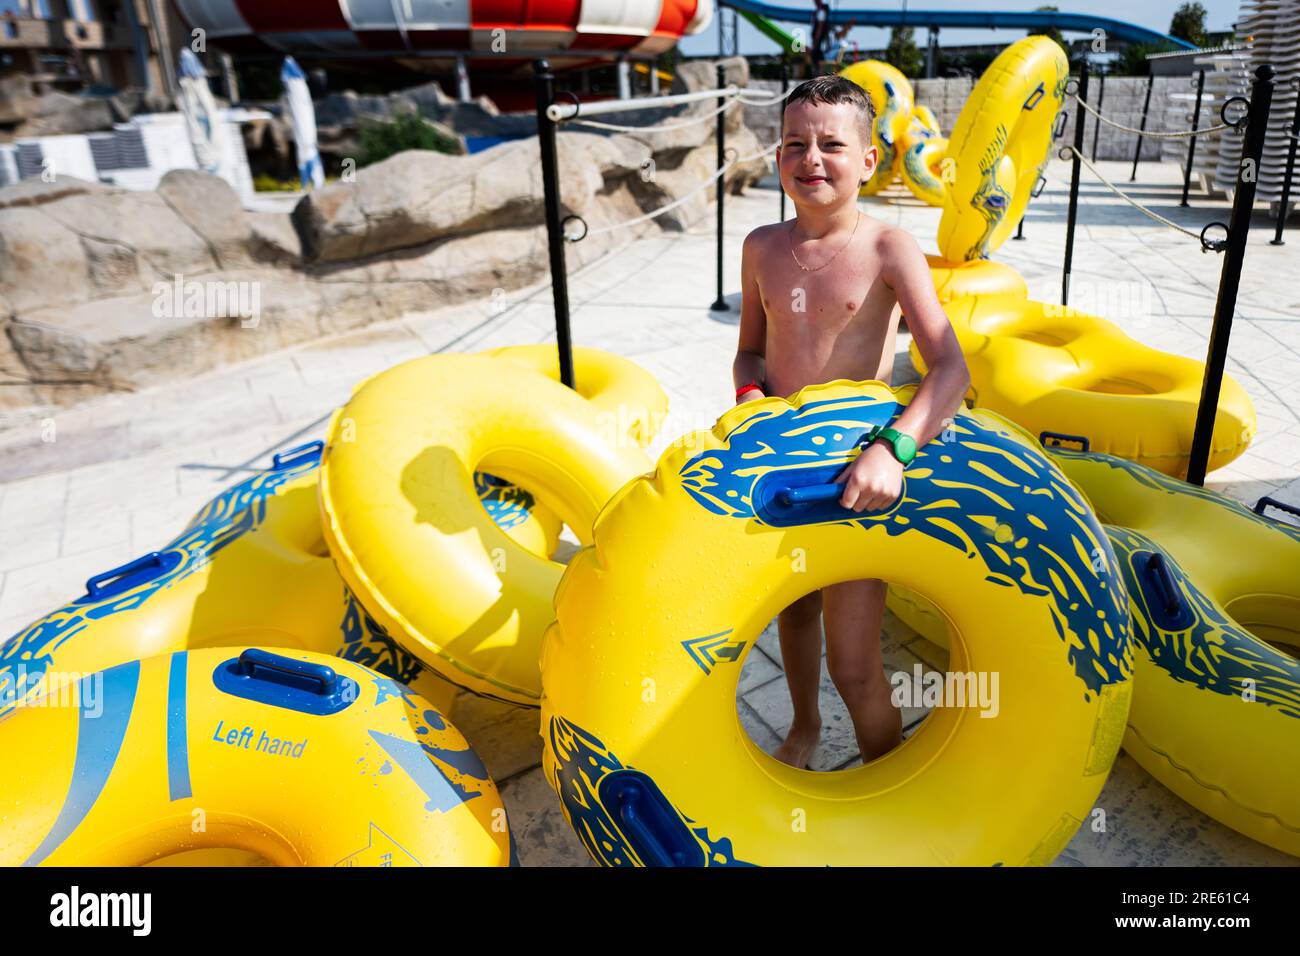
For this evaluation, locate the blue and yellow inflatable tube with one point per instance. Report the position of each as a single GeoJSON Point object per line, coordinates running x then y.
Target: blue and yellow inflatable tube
{"type": "Point", "coordinates": [1214, 591]}
{"type": "Point", "coordinates": [691, 563]}
{"type": "Point", "coordinates": [290, 757]}
{"type": "Point", "coordinates": [250, 568]}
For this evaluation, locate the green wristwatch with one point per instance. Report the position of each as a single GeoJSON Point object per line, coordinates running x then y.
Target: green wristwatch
{"type": "Point", "coordinates": [904, 446]}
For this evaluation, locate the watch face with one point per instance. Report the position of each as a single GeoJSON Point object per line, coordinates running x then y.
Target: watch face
{"type": "Point", "coordinates": [905, 448]}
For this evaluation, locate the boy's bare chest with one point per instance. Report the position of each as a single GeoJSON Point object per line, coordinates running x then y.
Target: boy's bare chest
{"type": "Point", "coordinates": [841, 291]}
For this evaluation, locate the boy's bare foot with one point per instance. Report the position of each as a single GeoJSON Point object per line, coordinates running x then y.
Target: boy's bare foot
{"type": "Point", "coordinates": [798, 746]}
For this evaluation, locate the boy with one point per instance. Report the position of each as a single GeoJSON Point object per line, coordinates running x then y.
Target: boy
{"type": "Point", "coordinates": [821, 299]}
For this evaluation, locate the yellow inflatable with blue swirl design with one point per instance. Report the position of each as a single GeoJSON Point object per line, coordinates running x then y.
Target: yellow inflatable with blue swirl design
{"type": "Point", "coordinates": [1214, 590]}
{"type": "Point", "coordinates": [643, 744]}
{"type": "Point", "coordinates": [250, 567]}
{"type": "Point", "coordinates": [294, 758]}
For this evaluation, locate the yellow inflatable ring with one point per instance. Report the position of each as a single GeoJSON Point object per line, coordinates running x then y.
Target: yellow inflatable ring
{"type": "Point", "coordinates": [1050, 368]}
{"type": "Point", "coordinates": [406, 529]}
{"type": "Point", "coordinates": [1001, 143]}
{"type": "Point", "coordinates": [251, 567]}
{"type": "Point", "coordinates": [642, 741]}
{"type": "Point", "coordinates": [1213, 587]}
{"type": "Point", "coordinates": [627, 396]}
{"type": "Point", "coordinates": [891, 95]}
{"type": "Point", "coordinates": [221, 750]}
{"type": "Point", "coordinates": [952, 280]}
{"type": "Point", "coordinates": [923, 169]}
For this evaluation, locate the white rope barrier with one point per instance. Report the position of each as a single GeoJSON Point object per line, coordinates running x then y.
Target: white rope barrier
{"type": "Point", "coordinates": [662, 209]}
{"type": "Point", "coordinates": [746, 97]}
{"type": "Point", "coordinates": [1128, 199]}
{"type": "Point", "coordinates": [666, 128]}
{"type": "Point", "coordinates": [562, 112]}
{"type": "Point", "coordinates": [1146, 132]}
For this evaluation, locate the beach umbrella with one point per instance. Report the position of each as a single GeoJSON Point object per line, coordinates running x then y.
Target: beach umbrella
{"type": "Point", "coordinates": [203, 120]}
{"type": "Point", "coordinates": [302, 117]}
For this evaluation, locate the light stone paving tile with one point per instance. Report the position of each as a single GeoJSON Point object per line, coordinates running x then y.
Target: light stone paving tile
{"type": "Point", "coordinates": [759, 732]}
{"type": "Point", "coordinates": [110, 528]}
{"type": "Point", "coordinates": [505, 737]}
{"type": "Point", "coordinates": [1256, 465]}
{"type": "Point", "coordinates": [1281, 448]}
{"type": "Point", "coordinates": [542, 836]}
{"type": "Point", "coordinates": [321, 397]}
{"type": "Point", "coordinates": [758, 670]}
{"type": "Point", "coordinates": [23, 545]}
{"type": "Point", "coordinates": [34, 502]}
{"type": "Point", "coordinates": [39, 588]}
{"type": "Point", "coordinates": [118, 492]}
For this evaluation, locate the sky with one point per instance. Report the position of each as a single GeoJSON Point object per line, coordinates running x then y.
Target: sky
{"type": "Point", "coordinates": [1155, 14]}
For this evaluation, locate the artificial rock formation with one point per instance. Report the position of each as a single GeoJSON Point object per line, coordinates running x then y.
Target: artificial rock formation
{"type": "Point", "coordinates": [104, 289]}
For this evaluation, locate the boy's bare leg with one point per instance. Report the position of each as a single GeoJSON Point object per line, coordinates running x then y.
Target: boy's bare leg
{"type": "Point", "coordinates": [799, 626]}
{"type": "Point", "coordinates": [854, 610]}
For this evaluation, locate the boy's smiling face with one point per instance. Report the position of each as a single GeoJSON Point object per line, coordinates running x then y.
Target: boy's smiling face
{"type": "Point", "coordinates": [823, 158]}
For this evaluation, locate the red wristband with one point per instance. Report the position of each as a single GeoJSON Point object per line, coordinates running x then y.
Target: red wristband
{"type": "Point", "coordinates": [748, 387]}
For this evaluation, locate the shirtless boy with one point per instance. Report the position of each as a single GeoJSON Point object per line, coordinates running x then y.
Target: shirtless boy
{"type": "Point", "coordinates": [821, 299]}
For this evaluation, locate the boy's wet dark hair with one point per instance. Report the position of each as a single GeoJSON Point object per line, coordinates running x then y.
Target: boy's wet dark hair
{"type": "Point", "coordinates": [835, 89]}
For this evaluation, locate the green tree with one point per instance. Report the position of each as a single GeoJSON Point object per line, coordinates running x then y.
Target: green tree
{"type": "Point", "coordinates": [1050, 32]}
{"type": "Point", "coordinates": [1189, 24]}
{"type": "Point", "coordinates": [381, 139]}
{"type": "Point", "coordinates": [1133, 58]}
{"type": "Point", "coordinates": [903, 52]}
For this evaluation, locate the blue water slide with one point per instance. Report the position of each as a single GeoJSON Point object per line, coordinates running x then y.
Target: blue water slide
{"type": "Point", "coordinates": [966, 19]}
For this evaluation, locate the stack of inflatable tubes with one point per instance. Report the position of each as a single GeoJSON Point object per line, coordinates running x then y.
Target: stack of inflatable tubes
{"type": "Point", "coordinates": [1051, 368]}
{"type": "Point", "coordinates": [250, 568]}
{"type": "Point", "coordinates": [891, 96]}
{"type": "Point", "coordinates": [690, 563]}
{"type": "Point", "coordinates": [1214, 596]}
{"type": "Point", "coordinates": [400, 510]}
{"type": "Point", "coordinates": [253, 567]}
{"type": "Point", "coordinates": [228, 751]}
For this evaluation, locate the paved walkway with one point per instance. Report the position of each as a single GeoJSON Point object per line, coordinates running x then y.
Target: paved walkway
{"type": "Point", "coordinates": [121, 476]}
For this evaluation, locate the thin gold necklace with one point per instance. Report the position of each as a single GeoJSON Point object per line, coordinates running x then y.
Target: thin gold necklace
{"type": "Point", "coordinates": [794, 222]}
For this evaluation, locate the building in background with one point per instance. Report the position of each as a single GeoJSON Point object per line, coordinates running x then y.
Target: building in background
{"type": "Point", "coordinates": [73, 44]}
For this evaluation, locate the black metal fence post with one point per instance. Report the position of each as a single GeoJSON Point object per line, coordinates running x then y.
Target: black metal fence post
{"type": "Point", "coordinates": [544, 83]}
{"type": "Point", "coordinates": [1096, 123]}
{"type": "Point", "coordinates": [785, 86]}
{"type": "Point", "coordinates": [1261, 97]}
{"type": "Point", "coordinates": [720, 304]}
{"type": "Point", "coordinates": [1277, 239]}
{"type": "Point", "coordinates": [1020, 229]}
{"type": "Point", "coordinates": [1191, 147]}
{"type": "Point", "coordinates": [1146, 106]}
{"type": "Point", "coordinates": [1079, 117]}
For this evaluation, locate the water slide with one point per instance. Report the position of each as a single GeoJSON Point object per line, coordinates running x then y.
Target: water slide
{"type": "Point", "coordinates": [765, 16]}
